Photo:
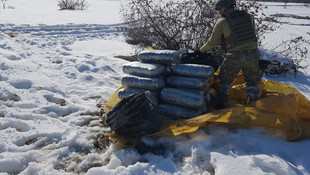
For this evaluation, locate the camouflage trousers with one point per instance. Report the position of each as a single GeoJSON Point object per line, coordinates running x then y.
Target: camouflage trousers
{"type": "Point", "coordinates": [245, 60]}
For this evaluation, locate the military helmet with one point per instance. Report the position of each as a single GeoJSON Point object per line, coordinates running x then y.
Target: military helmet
{"type": "Point", "coordinates": [224, 3]}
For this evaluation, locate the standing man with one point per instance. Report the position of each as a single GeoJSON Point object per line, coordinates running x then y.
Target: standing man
{"type": "Point", "coordinates": [236, 29]}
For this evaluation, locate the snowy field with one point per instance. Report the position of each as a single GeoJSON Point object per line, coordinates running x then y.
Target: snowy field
{"type": "Point", "coordinates": [61, 64]}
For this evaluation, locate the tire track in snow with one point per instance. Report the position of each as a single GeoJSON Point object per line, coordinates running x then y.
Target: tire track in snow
{"type": "Point", "coordinates": [79, 30]}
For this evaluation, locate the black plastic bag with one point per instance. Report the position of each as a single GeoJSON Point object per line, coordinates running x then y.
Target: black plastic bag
{"type": "Point", "coordinates": [134, 116]}
{"type": "Point", "coordinates": [203, 59]}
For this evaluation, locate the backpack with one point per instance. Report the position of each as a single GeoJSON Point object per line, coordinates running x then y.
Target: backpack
{"type": "Point", "coordinates": [134, 116]}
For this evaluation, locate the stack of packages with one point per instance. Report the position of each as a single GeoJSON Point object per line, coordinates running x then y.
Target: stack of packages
{"type": "Point", "coordinates": [147, 74]}
{"type": "Point", "coordinates": [186, 94]}
{"type": "Point", "coordinates": [182, 89]}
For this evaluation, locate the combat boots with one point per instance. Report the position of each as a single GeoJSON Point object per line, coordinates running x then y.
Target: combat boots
{"type": "Point", "coordinates": [253, 93]}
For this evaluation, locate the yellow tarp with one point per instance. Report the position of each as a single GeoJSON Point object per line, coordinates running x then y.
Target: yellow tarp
{"type": "Point", "coordinates": [281, 108]}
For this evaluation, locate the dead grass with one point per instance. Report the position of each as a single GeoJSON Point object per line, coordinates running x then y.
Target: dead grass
{"type": "Point", "coordinates": [128, 58]}
{"type": "Point", "coordinates": [11, 34]}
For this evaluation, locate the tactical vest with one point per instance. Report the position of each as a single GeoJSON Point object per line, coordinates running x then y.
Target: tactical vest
{"type": "Point", "coordinates": [242, 29]}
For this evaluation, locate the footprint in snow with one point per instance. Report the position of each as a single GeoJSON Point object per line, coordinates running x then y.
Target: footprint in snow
{"type": "Point", "coordinates": [83, 68]}
{"type": "Point", "coordinates": [53, 99]}
{"type": "Point", "coordinates": [21, 83]}
{"type": "Point", "coordinates": [3, 66]}
{"type": "Point", "coordinates": [56, 111]}
{"type": "Point", "coordinates": [13, 57]}
{"type": "Point", "coordinates": [6, 95]}
{"type": "Point", "coordinates": [17, 124]}
{"type": "Point", "coordinates": [39, 140]}
{"type": "Point", "coordinates": [71, 75]}
{"type": "Point", "coordinates": [2, 78]}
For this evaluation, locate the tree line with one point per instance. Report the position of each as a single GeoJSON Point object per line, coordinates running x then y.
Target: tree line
{"type": "Point", "coordinates": [286, 1]}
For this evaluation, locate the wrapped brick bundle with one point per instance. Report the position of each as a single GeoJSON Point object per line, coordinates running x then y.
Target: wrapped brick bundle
{"type": "Point", "coordinates": [183, 97]}
{"type": "Point", "coordinates": [187, 82]}
{"type": "Point", "coordinates": [159, 56]}
{"type": "Point", "coordinates": [143, 69]}
{"type": "Point", "coordinates": [126, 92]}
{"type": "Point", "coordinates": [193, 70]}
{"type": "Point", "coordinates": [143, 82]}
{"type": "Point", "coordinates": [177, 112]}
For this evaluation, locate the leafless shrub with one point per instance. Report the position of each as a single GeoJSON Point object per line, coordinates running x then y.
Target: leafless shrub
{"type": "Point", "coordinates": [171, 24]}
{"type": "Point", "coordinates": [296, 50]}
{"type": "Point", "coordinates": [287, 57]}
{"type": "Point", "coordinates": [72, 4]}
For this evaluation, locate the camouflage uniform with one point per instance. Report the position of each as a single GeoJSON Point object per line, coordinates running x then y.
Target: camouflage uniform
{"type": "Point", "coordinates": [242, 53]}
{"type": "Point", "coordinates": [245, 60]}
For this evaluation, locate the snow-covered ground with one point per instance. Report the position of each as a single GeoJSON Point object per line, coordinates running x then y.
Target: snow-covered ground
{"type": "Point", "coordinates": [61, 64]}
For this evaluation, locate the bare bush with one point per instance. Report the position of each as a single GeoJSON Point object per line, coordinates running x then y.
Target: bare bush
{"type": "Point", "coordinates": [295, 49]}
{"type": "Point", "coordinates": [171, 24]}
{"type": "Point", "coordinates": [72, 4]}
{"type": "Point", "coordinates": [287, 57]}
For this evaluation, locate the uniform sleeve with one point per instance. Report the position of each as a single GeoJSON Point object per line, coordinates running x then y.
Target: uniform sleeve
{"type": "Point", "coordinates": [214, 38]}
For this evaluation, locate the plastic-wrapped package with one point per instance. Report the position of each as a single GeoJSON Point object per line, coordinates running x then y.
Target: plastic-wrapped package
{"type": "Point", "coordinates": [193, 70]}
{"type": "Point", "coordinates": [183, 97]}
{"type": "Point", "coordinates": [177, 112]}
{"type": "Point", "coordinates": [126, 92]}
{"type": "Point", "coordinates": [159, 56]}
{"type": "Point", "coordinates": [186, 82]}
{"type": "Point", "coordinates": [143, 69]}
{"type": "Point", "coordinates": [134, 116]}
{"type": "Point", "coordinates": [143, 82]}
